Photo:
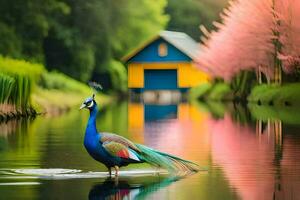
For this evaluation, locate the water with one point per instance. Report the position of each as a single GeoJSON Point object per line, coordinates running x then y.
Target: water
{"type": "Point", "coordinates": [248, 155]}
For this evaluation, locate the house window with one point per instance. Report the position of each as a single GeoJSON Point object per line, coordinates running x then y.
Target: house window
{"type": "Point", "coordinates": [162, 49]}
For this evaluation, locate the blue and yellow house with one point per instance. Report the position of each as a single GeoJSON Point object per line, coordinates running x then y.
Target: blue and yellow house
{"type": "Point", "coordinates": [165, 62]}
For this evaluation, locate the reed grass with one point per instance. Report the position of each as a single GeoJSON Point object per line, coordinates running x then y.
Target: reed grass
{"type": "Point", "coordinates": [17, 80]}
{"type": "Point", "coordinates": [6, 85]}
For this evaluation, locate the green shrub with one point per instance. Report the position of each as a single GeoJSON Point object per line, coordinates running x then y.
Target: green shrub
{"type": "Point", "coordinates": [21, 67]}
{"type": "Point", "coordinates": [118, 75]}
{"type": "Point", "coordinates": [56, 80]}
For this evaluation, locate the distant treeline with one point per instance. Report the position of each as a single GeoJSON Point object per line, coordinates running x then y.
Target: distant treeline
{"type": "Point", "coordinates": [188, 15]}
{"type": "Point", "coordinates": [86, 38]}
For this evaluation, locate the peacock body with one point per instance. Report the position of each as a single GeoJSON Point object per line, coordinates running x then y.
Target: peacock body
{"type": "Point", "coordinates": [115, 151]}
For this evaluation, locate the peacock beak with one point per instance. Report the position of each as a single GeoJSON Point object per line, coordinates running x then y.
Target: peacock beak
{"type": "Point", "coordinates": [82, 106]}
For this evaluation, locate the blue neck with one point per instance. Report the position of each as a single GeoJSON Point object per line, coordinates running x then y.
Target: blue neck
{"type": "Point", "coordinates": [91, 126]}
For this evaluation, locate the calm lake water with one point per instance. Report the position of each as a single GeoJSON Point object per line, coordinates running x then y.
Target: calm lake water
{"type": "Point", "coordinates": [248, 155]}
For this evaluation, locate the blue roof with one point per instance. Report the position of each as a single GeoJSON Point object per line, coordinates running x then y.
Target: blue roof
{"type": "Point", "coordinates": [179, 40]}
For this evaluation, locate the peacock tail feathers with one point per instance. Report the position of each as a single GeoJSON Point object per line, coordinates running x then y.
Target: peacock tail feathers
{"type": "Point", "coordinates": [166, 161]}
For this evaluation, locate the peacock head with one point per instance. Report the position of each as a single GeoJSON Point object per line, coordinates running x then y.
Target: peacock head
{"type": "Point", "coordinates": [89, 103]}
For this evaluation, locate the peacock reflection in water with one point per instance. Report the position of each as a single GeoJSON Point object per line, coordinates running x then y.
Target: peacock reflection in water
{"type": "Point", "coordinates": [128, 189]}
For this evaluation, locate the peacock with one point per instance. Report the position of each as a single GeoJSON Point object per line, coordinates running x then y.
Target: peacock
{"type": "Point", "coordinates": [115, 151]}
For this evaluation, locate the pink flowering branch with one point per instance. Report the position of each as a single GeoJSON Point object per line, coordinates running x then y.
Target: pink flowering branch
{"type": "Point", "coordinates": [245, 38]}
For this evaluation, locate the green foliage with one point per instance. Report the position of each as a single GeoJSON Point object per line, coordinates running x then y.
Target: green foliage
{"type": "Point", "coordinates": [59, 81]}
{"type": "Point", "coordinates": [118, 75]}
{"type": "Point", "coordinates": [82, 63]}
{"type": "Point", "coordinates": [242, 84]}
{"type": "Point", "coordinates": [21, 67]}
{"type": "Point", "coordinates": [138, 21]}
{"type": "Point", "coordinates": [188, 15]}
{"type": "Point", "coordinates": [27, 24]}
{"type": "Point", "coordinates": [83, 43]}
{"type": "Point", "coordinates": [125, 24]}
{"type": "Point", "coordinates": [10, 44]}
{"type": "Point", "coordinates": [275, 95]}
{"type": "Point", "coordinates": [24, 76]}
{"type": "Point", "coordinates": [55, 86]}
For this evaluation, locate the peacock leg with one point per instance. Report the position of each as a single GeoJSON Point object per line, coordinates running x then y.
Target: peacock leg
{"type": "Point", "coordinates": [109, 170]}
{"type": "Point", "coordinates": [117, 171]}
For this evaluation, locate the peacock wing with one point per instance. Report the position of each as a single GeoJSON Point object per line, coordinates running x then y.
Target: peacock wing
{"type": "Point", "coordinates": [110, 137]}
{"type": "Point", "coordinates": [120, 150]}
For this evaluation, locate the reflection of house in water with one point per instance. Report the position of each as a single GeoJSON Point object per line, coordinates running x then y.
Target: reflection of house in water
{"type": "Point", "coordinates": [178, 129]}
{"type": "Point", "coordinates": [164, 63]}
{"type": "Point", "coordinates": [158, 112]}
{"type": "Point", "coordinates": [139, 113]}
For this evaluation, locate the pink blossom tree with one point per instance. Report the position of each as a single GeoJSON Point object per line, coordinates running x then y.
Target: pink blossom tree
{"type": "Point", "coordinates": [254, 35]}
{"type": "Point", "coordinates": [289, 29]}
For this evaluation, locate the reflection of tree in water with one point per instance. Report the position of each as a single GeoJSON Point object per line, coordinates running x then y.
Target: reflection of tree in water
{"type": "Point", "coordinates": [11, 132]}
{"type": "Point", "coordinates": [273, 128]}
{"type": "Point", "coordinates": [123, 189]}
{"type": "Point", "coordinates": [14, 126]}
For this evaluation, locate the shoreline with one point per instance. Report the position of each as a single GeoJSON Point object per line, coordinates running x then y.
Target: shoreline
{"type": "Point", "coordinates": [43, 104]}
{"type": "Point", "coordinates": [10, 114]}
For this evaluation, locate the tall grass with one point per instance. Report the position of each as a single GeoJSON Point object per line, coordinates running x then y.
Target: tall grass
{"type": "Point", "coordinates": [6, 85]}
{"type": "Point", "coordinates": [17, 80]}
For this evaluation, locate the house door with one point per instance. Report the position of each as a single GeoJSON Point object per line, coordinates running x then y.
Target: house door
{"type": "Point", "coordinates": [160, 79]}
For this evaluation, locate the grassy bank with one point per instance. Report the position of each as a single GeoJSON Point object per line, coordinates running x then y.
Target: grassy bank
{"type": "Point", "coordinates": [265, 102]}
{"type": "Point", "coordinates": [276, 102]}
{"type": "Point", "coordinates": [27, 88]}
{"type": "Point", "coordinates": [236, 90]}
{"type": "Point", "coordinates": [18, 80]}
{"type": "Point", "coordinates": [269, 95]}
{"type": "Point", "coordinates": [275, 95]}
{"type": "Point", "coordinates": [58, 93]}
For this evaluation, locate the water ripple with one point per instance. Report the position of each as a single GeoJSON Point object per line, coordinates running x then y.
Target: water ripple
{"type": "Point", "coordinates": [58, 173]}
{"type": "Point", "coordinates": [19, 183]}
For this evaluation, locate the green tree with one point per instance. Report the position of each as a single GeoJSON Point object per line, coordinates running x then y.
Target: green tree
{"type": "Point", "coordinates": [82, 38]}
{"type": "Point", "coordinates": [129, 23]}
{"type": "Point", "coordinates": [188, 15]}
{"type": "Point", "coordinates": [24, 24]}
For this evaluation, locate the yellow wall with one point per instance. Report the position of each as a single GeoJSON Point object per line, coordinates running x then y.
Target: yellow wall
{"type": "Point", "coordinates": [187, 74]}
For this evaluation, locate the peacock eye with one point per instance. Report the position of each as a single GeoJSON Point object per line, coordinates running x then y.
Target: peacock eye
{"type": "Point", "coordinates": [89, 104]}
